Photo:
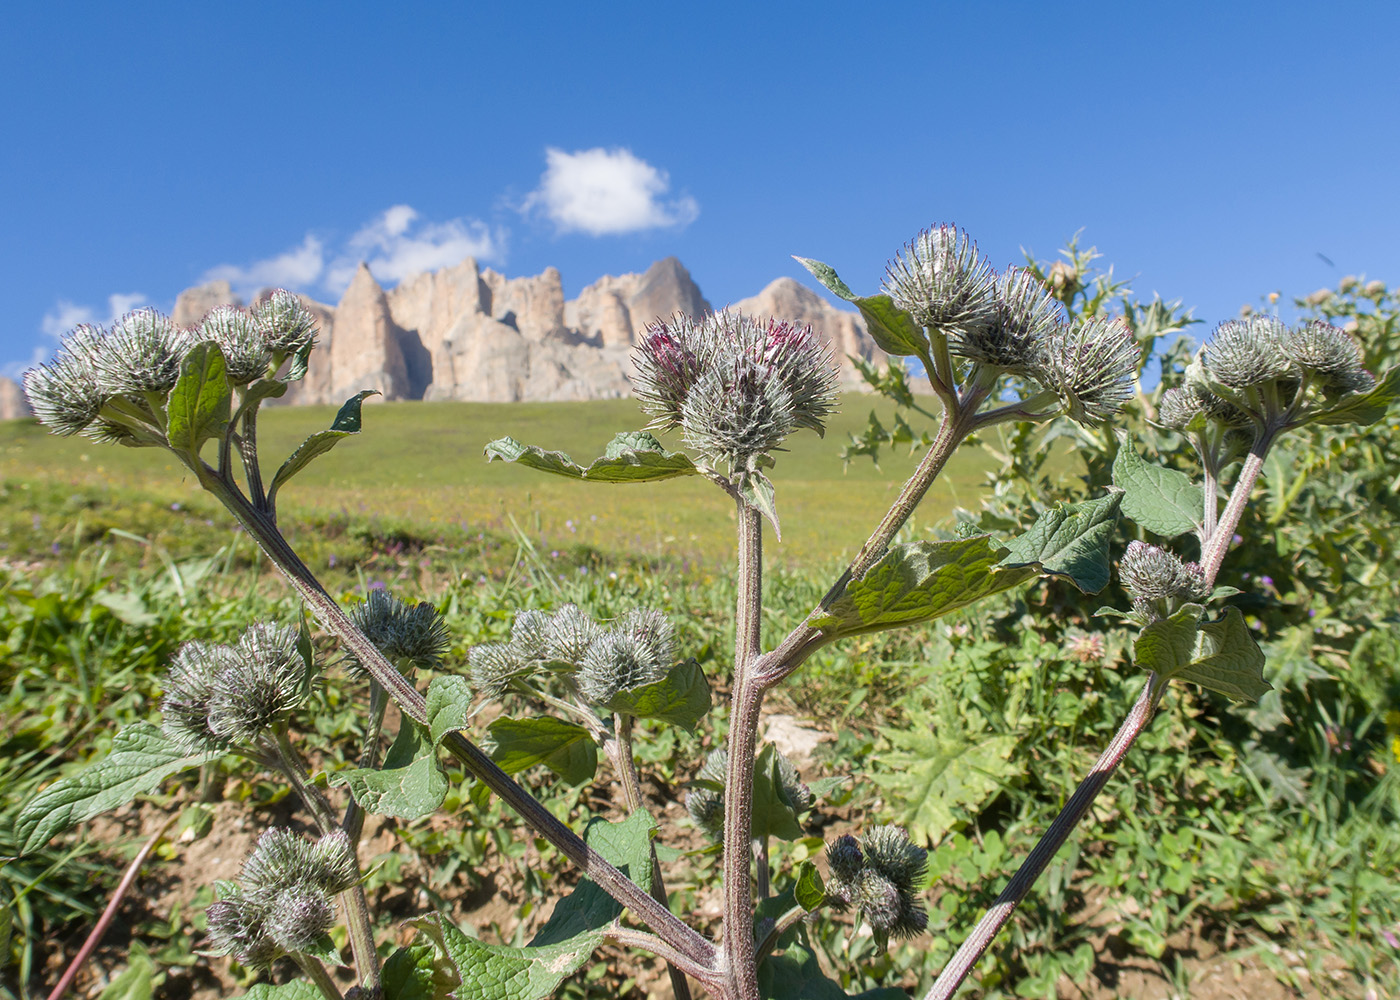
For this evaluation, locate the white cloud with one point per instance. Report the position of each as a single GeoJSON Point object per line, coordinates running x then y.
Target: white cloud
{"type": "Point", "coordinates": [299, 267]}
{"type": "Point", "coordinates": [63, 317]}
{"type": "Point", "coordinates": [606, 191]}
{"type": "Point", "coordinates": [397, 244]}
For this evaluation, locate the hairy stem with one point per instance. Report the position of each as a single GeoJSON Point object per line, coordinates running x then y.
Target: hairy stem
{"type": "Point", "coordinates": [743, 735]}
{"type": "Point", "coordinates": [103, 922]}
{"type": "Point", "coordinates": [643, 941]}
{"type": "Point", "coordinates": [1213, 553]}
{"type": "Point", "coordinates": [411, 702]}
{"type": "Point", "coordinates": [354, 821]}
{"type": "Point", "coordinates": [960, 965]}
{"type": "Point", "coordinates": [317, 973]}
{"type": "Point", "coordinates": [778, 929]}
{"type": "Point", "coordinates": [619, 751]}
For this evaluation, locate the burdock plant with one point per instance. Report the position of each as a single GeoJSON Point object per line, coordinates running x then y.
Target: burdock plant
{"type": "Point", "coordinates": [996, 349]}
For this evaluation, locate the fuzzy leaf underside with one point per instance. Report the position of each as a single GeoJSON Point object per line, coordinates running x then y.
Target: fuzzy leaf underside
{"type": "Point", "coordinates": [630, 457]}
{"type": "Point", "coordinates": [758, 492]}
{"type": "Point", "coordinates": [1071, 540]}
{"type": "Point", "coordinates": [931, 775]}
{"type": "Point", "coordinates": [682, 697]}
{"type": "Point", "coordinates": [142, 756]}
{"type": "Point", "coordinates": [346, 422]}
{"type": "Point", "coordinates": [568, 939]}
{"type": "Point", "coordinates": [1219, 655]}
{"type": "Point", "coordinates": [921, 581]}
{"type": "Point", "coordinates": [1162, 500]}
{"type": "Point", "coordinates": [566, 748]}
{"type": "Point", "coordinates": [198, 407]}
{"type": "Point", "coordinates": [1364, 408]}
{"type": "Point", "coordinates": [410, 785]}
{"type": "Point", "coordinates": [773, 812]}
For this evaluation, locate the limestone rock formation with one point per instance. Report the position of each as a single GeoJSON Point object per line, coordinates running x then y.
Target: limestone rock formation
{"type": "Point", "coordinates": [193, 303]}
{"type": "Point", "coordinates": [13, 405]}
{"type": "Point", "coordinates": [470, 333]}
{"type": "Point", "coordinates": [787, 299]}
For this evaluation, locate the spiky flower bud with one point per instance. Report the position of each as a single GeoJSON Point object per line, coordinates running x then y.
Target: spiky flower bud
{"type": "Point", "coordinates": [287, 326]}
{"type": "Point", "coordinates": [265, 681]}
{"type": "Point", "coordinates": [618, 661]}
{"type": "Point", "coordinates": [1150, 574]}
{"type": "Point", "coordinates": [494, 665]}
{"type": "Point", "coordinates": [142, 353]}
{"type": "Point", "coordinates": [1024, 320]}
{"type": "Point", "coordinates": [1247, 352]}
{"type": "Point", "coordinates": [246, 354]}
{"type": "Point", "coordinates": [845, 861]}
{"type": "Point", "coordinates": [877, 899]}
{"type": "Point", "coordinates": [527, 634]}
{"type": "Point", "coordinates": [409, 635]}
{"type": "Point", "coordinates": [791, 786]}
{"type": "Point", "coordinates": [298, 916]}
{"type": "Point", "coordinates": [65, 393]}
{"type": "Point", "coordinates": [333, 867]}
{"type": "Point", "coordinates": [238, 927]}
{"type": "Point", "coordinates": [1330, 355]}
{"type": "Point", "coordinates": [569, 634]}
{"type": "Point", "coordinates": [189, 686]}
{"type": "Point", "coordinates": [889, 852]}
{"type": "Point", "coordinates": [705, 799]}
{"type": "Point", "coordinates": [735, 385]}
{"type": "Point", "coordinates": [1183, 404]}
{"type": "Point", "coordinates": [1091, 365]}
{"type": "Point", "coordinates": [943, 282]}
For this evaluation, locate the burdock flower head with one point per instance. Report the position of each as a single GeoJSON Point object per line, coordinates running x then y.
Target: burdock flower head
{"type": "Point", "coordinates": [1330, 355]}
{"type": "Point", "coordinates": [943, 282]}
{"type": "Point", "coordinates": [736, 386]}
{"type": "Point", "coordinates": [1026, 317]}
{"type": "Point", "coordinates": [265, 681]}
{"type": "Point", "coordinates": [1091, 365]}
{"type": "Point", "coordinates": [246, 354]}
{"type": "Point", "coordinates": [1243, 353]}
{"type": "Point", "coordinates": [287, 326]}
{"type": "Point", "coordinates": [141, 353]}
{"type": "Point", "coordinates": [1153, 577]}
{"type": "Point", "coordinates": [65, 393]}
{"type": "Point", "coordinates": [880, 876]}
{"type": "Point", "coordinates": [410, 635]}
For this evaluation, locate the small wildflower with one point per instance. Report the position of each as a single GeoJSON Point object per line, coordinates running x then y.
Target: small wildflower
{"type": "Point", "coordinates": [943, 282]}
{"type": "Point", "coordinates": [1084, 648]}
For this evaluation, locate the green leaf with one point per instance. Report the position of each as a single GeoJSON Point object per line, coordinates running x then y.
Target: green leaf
{"type": "Point", "coordinates": [631, 457]}
{"type": "Point", "coordinates": [920, 581]}
{"type": "Point", "coordinates": [137, 981]}
{"type": "Point", "coordinates": [297, 989]}
{"type": "Point", "coordinates": [346, 422]}
{"type": "Point", "coordinates": [1219, 655]}
{"type": "Point", "coordinates": [934, 770]}
{"type": "Point", "coordinates": [757, 491]}
{"type": "Point", "coordinates": [199, 402]}
{"type": "Point", "coordinates": [893, 329]}
{"type": "Point", "coordinates": [410, 785]}
{"type": "Point", "coordinates": [568, 939]}
{"type": "Point", "coordinates": [1162, 500]}
{"type": "Point", "coordinates": [1071, 540]}
{"type": "Point", "coordinates": [774, 814]}
{"type": "Point", "coordinates": [1364, 408]}
{"type": "Point", "coordinates": [566, 748]}
{"type": "Point", "coordinates": [795, 974]}
{"type": "Point", "coordinates": [811, 890]}
{"type": "Point", "coordinates": [142, 757]}
{"type": "Point", "coordinates": [449, 706]}
{"type": "Point", "coordinates": [826, 274]}
{"type": "Point", "coordinates": [682, 697]}
{"type": "Point", "coordinates": [324, 950]}
{"type": "Point", "coordinates": [415, 973]}
{"type": "Point", "coordinates": [6, 928]}
{"type": "Point", "coordinates": [300, 363]}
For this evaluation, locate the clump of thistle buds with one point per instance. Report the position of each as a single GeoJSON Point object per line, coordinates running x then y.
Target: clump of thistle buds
{"type": "Point", "coordinates": [1157, 581]}
{"type": "Point", "coordinates": [1257, 370]}
{"type": "Point", "coordinates": [598, 662]}
{"type": "Point", "coordinates": [1007, 326]}
{"type": "Point", "coordinates": [879, 876]}
{"type": "Point", "coordinates": [111, 384]}
{"type": "Point", "coordinates": [217, 696]}
{"type": "Point", "coordinates": [282, 901]}
{"type": "Point", "coordinates": [736, 386]}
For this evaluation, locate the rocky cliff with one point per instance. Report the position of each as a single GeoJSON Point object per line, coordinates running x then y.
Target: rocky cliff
{"type": "Point", "coordinates": [12, 402]}
{"type": "Point", "coordinates": [470, 333]}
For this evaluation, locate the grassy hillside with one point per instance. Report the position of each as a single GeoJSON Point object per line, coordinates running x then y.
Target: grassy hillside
{"type": "Point", "coordinates": [421, 464]}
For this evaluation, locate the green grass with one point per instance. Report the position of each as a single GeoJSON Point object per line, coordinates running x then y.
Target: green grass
{"type": "Point", "coordinates": [421, 464]}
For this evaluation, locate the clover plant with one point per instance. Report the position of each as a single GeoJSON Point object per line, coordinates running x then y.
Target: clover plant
{"type": "Point", "coordinates": [996, 349]}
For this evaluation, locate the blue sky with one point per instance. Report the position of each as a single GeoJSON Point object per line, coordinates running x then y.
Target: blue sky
{"type": "Point", "coordinates": [1211, 151]}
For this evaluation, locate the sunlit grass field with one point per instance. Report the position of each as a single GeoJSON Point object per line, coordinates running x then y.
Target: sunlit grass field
{"type": "Point", "coordinates": [421, 465]}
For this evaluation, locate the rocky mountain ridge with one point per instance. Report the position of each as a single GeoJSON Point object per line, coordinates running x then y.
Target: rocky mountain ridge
{"type": "Point", "coordinates": [470, 333]}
